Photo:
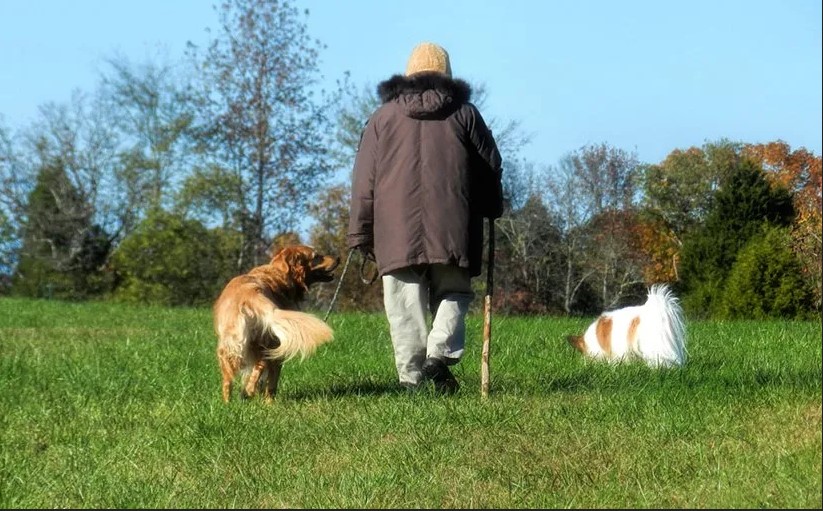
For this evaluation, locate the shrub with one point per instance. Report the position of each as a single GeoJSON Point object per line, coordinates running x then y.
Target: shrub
{"type": "Point", "coordinates": [169, 260]}
{"type": "Point", "coordinates": [766, 280]}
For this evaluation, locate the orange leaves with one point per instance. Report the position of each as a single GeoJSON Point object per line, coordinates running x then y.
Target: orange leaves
{"type": "Point", "coordinates": [662, 249]}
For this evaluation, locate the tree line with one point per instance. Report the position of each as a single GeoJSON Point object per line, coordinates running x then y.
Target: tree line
{"type": "Point", "coordinates": [167, 180]}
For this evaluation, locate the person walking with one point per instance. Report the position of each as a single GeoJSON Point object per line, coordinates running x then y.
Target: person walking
{"type": "Point", "coordinates": [426, 173]}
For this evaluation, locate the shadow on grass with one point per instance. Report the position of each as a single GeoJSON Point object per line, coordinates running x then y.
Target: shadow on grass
{"type": "Point", "coordinates": [705, 376]}
{"type": "Point", "coordinates": [348, 389]}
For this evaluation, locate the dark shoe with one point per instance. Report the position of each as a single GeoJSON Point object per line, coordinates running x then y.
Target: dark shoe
{"type": "Point", "coordinates": [438, 372]}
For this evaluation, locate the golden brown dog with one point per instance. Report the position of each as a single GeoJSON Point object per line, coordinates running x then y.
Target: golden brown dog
{"type": "Point", "coordinates": [258, 322]}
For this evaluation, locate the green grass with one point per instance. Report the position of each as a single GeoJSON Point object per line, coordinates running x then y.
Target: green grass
{"type": "Point", "coordinates": [112, 406]}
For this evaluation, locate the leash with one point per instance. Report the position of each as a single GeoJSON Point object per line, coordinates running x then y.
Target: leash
{"type": "Point", "coordinates": [339, 283]}
{"type": "Point", "coordinates": [363, 279]}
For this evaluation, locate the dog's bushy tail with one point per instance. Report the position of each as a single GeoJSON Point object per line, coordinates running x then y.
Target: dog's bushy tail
{"type": "Point", "coordinates": [663, 312]}
{"type": "Point", "coordinates": [299, 333]}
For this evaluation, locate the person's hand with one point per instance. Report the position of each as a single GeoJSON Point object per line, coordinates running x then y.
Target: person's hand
{"type": "Point", "coordinates": [367, 252]}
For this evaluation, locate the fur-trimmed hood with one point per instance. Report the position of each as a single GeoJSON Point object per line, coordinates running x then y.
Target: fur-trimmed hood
{"type": "Point", "coordinates": [425, 95]}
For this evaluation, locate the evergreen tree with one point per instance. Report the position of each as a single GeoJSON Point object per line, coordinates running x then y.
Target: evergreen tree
{"type": "Point", "coordinates": [737, 212]}
{"type": "Point", "coordinates": [56, 220]}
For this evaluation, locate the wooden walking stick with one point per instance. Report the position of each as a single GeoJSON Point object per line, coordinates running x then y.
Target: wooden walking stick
{"type": "Point", "coordinates": [487, 316]}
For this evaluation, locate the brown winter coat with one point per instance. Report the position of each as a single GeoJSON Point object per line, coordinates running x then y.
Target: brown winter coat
{"type": "Point", "coordinates": [426, 173]}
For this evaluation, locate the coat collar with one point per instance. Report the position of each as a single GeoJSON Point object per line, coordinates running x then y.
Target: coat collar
{"type": "Point", "coordinates": [458, 90]}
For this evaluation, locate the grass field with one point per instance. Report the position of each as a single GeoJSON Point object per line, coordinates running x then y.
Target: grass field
{"type": "Point", "coordinates": [114, 406]}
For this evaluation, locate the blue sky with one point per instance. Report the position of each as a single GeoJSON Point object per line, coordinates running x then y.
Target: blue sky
{"type": "Point", "coordinates": [643, 76]}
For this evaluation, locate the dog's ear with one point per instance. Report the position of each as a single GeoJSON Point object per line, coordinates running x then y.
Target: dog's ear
{"type": "Point", "coordinates": [296, 257]}
{"type": "Point", "coordinates": [280, 261]}
{"type": "Point", "coordinates": [292, 261]}
{"type": "Point", "coordinates": [576, 341]}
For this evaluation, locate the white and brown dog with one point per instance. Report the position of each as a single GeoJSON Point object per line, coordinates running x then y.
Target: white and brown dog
{"type": "Point", "coordinates": [653, 332]}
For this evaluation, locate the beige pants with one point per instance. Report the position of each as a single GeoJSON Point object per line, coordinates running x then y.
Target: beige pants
{"type": "Point", "coordinates": [446, 292]}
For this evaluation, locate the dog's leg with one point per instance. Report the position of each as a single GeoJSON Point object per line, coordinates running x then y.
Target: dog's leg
{"type": "Point", "coordinates": [229, 367]}
{"type": "Point", "coordinates": [274, 367]}
{"type": "Point", "coordinates": [254, 378]}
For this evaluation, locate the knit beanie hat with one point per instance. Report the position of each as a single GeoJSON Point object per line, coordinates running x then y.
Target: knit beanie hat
{"type": "Point", "coordinates": [429, 57]}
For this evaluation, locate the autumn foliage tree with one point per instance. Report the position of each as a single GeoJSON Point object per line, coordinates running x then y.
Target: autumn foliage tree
{"type": "Point", "coordinates": [679, 193]}
{"type": "Point", "coordinates": [798, 171]}
{"type": "Point", "coordinates": [659, 246]}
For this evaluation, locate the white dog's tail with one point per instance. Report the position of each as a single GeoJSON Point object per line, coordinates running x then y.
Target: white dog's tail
{"type": "Point", "coordinates": [299, 333]}
{"type": "Point", "coordinates": [665, 335]}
